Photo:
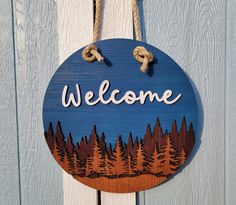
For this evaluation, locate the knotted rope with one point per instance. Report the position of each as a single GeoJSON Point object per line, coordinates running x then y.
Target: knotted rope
{"type": "Point", "coordinates": [143, 56]}
{"type": "Point", "coordinates": [90, 52]}
{"type": "Point", "coordinates": [140, 53]}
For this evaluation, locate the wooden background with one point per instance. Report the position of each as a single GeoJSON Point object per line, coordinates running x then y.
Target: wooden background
{"type": "Point", "coordinates": [36, 36]}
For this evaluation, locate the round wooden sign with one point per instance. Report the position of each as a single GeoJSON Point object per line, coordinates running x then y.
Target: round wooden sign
{"type": "Point", "coordinates": [115, 128]}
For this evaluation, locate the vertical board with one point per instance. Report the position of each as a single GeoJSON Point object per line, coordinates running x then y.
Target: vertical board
{"type": "Point", "coordinates": [36, 42]}
{"type": "Point", "coordinates": [192, 33]}
{"type": "Point", "coordinates": [230, 165]}
{"type": "Point", "coordinates": [117, 23]}
{"type": "Point", "coordinates": [9, 170]}
{"type": "Point", "coordinates": [75, 29]}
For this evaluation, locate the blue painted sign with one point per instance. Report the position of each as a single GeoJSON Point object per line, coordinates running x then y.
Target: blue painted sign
{"type": "Point", "coordinates": [108, 124]}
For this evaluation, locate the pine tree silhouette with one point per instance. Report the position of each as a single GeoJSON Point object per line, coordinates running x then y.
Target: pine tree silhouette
{"type": "Point", "coordinates": [88, 167]}
{"type": "Point", "coordinates": [174, 134]}
{"type": "Point", "coordinates": [118, 158]}
{"type": "Point", "coordinates": [57, 153]}
{"type": "Point", "coordinates": [102, 142]}
{"type": "Point", "coordinates": [109, 150]}
{"type": "Point", "coordinates": [169, 157]}
{"type": "Point", "coordinates": [92, 139]}
{"type": "Point", "coordinates": [83, 149]}
{"type": "Point", "coordinates": [96, 159]}
{"type": "Point", "coordinates": [190, 140]}
{"type": "Point", "coordinates": [75, 170]}
{"type": "Point", "coordinates": [130, 165]}
{"type": "Point", "coordinates": [67, 162]}
{"type": "Point", "coordinates": [182, 135]}
{"type": "Point", "coordinates": [130, 147]}
{"type": "Point", "coordinates": [69, 159]}
{"type": "Point", "coordinates": [140, 159]}
{"type": "Point", "coordinates": [60, 139]}
{"type": "Point", "coordinates": [136, 146]}
{"type": "Point", "coordinates": [148, 144]}
{"type": "Point", "coordinates": [157, 135]}
{"type": "Point", "coordinates": [156, 161]}
{"type": "Point", "coordinates": [69, 145]}
{"type": "Point", "coordinates": [49, 136]}
{"type": "Point", "coordinates": [107, 166]}
{"type": "Point", "coordinates": [77, 148]}
{"type": "Point", "coordinates": [181, 157]}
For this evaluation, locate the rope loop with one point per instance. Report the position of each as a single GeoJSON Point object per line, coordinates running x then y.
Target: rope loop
{"type": "Point", "coordinates": [90, 54]}
{"type": "Point", "coordinates": [142, 55]}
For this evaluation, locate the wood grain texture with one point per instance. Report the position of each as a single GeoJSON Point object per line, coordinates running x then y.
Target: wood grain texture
{"type": "Point", "coordinates": [116, 19]}
{"type": "Point", "coordinates": [9, 170]}
{"type": "Point", "coordinates": [117, 23]}
{"type": "Point", "coordinates": [230, 165]}
{"type": "Point", "coordinates": [75, 29]}
{"type": "Point", "coordinates": [109, 198]}
{"type": "Point", "coordinates": [36, 37]}
{"type": "Point", "coordinates": [192, 33]}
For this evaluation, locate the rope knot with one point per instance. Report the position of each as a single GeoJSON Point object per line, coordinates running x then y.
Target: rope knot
{"type": "Point", "coordinates": [90, 54]}
{"type": "Point", "coordinates": [143, 56]}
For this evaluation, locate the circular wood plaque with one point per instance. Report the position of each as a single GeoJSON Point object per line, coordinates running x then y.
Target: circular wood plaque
{"type": "Point", "coordinates": [115, 128]}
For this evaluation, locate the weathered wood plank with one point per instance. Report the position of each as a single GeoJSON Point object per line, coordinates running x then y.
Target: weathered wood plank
{"type": "Point", "coordinates": [36, 35]}
{"type": "Point", "coordinates": [230, 169]}
{"type": "Point", "coordinates": [117, 23]}
{"type": "Point", "coordinates": [75, 29]}
{"type": "Point", "coordinates": [116, 19]}
{"type": "Point", "coordinates": [192, 32]}
{"type": "Point", "coordinates": [9, 172]}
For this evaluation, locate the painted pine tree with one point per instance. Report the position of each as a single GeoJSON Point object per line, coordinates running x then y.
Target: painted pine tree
{"type": "Point", "coordinates": [96, 159]}
{"type": "Point", "coordinates": [109, 149]}
{"type": "Point", "coordinates": [77, 147]}
{"type": "Point", "coordinates": [75, 169]}
{"type": "Point", "coordinates": [88, 167]}
{"type": "Point", "coordinates": [157, 135]}
{"type": "Point", "coordinates": [118, 159]}
{"type": "Point", "coordinates": [140, 159]}
{"type": "Point", "coordinates": [190, 140]}
{"type": "Point", "coordinates": [107, 166]}
{"type": "Point", "coordinates": [83, 149]}
{"type": "Point", "coordinates": [130, 146]}
{"type": "Point", "coordinates": [57, 153]}
{"type": "Point", "coordinates": [169, 157]}
{"type": "Point", "coordinates": [182, 135]}
{"type": "Point", "coordinates": [181, 157]}
{"type": "Point", "coordinates": [69, 160]}
{"type": "Point", "coordinates": [49, 136]}
{"type": "Point", "coordinates": [130, 165]}
{"type": "Point", "coordinates": [148, 144]}
{"type": "Point", "coordinates": [60, 138]}
{"type": "Point", "coordinates": [102, 142]}
{"type": "Point", "coordinates": [136, 146]}
{"type": "Point", "coordinates": [156, 161]}
{"type": "Point", "coordinates": [92, 139]}
{"type": "Point", "coordinates": [174, 135]}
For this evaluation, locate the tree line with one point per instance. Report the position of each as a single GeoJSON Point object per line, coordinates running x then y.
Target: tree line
{"type": "Point", "coordinates": [158, 153]}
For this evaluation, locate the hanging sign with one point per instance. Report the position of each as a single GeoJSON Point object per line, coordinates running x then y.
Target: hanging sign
{"type": "Point", "coordinates": [115, 128]}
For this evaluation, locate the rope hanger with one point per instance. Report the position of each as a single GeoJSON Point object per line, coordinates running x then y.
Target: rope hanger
{"type": "Point", "coordinates": [140, 53]}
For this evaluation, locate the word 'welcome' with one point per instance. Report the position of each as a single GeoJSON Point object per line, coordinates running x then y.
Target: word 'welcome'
{"type": "Point", "coordinates": [129, 97]}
